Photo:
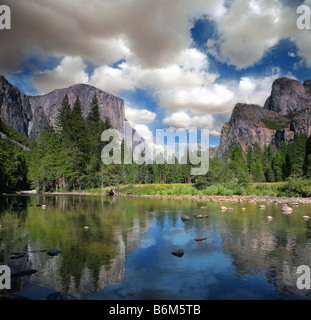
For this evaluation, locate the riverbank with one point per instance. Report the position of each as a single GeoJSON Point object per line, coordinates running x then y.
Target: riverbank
{"type": "Point", "coordinates": [199, 198]}
{"type": "Point", "coordinates": [256, 192]}
{"type": "Point", "coordinates": [236, 198]}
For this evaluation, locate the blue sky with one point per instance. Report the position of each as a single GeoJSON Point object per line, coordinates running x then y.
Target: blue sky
{"type": "Point", "coordinates": [180, 64]}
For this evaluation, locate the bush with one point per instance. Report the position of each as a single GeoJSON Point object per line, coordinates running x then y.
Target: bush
{"type": "Point", "coordinates": [297, 187]}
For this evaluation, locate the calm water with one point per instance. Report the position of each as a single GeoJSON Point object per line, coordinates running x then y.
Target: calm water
{"type": "Point", "coordinates": [126, 253]}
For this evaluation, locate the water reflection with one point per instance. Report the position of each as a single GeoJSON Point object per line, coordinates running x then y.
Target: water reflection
{"type": "Point", "coordinates": [126, 252]}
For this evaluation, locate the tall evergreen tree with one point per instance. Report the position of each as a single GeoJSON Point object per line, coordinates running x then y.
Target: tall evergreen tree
{"type": "Point", "coordinates": [63, 116]}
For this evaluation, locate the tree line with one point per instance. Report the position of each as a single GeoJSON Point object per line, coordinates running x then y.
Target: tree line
{"type": "Point", "coordinates": [68, 157]}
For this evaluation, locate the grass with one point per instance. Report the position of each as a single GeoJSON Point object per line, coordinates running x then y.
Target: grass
{"type": "Point", "coordinates": [278, 189]}
{"type": "Point", "coordinates": [291, 188]}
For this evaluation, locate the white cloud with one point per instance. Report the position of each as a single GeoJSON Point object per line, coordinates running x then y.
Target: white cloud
{"type": "Point", "coordinates": [147, 33]}
{"type": "Point", "coordinates": [182, 120]}
{"type": "Point", "coordinates": [68, 72]}
{"type": "Point", "coordinates": [137, 115]}
{"type": "Point", "coordinates": [250, 28]}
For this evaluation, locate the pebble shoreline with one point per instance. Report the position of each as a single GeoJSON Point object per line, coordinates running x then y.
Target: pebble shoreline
{"type": "Point", "coordinates": [241, 199]}
{"type": "Point", "coordinates": [204, 198]}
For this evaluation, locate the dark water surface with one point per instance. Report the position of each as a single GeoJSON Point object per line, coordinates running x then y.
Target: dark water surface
{"type": "Point", "coordinates": [126, 252]}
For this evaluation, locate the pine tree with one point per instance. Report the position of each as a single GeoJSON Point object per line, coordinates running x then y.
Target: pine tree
{"type": "Point", "coordinates": [63, 116]}
{"type": "Point", "coordinates": [298, 154]}
{"type": "Point", "coordinates": [94, 115]}
{"type": "Point", "coordinates": [267, 164]}
{"type": "Point", "coordinates": [257, 171]}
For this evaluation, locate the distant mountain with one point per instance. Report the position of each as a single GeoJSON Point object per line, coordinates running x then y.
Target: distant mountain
{"type": "Point", "coordinates": [29, 115]}
{"type": "Point", "coordinates": [286, 112]}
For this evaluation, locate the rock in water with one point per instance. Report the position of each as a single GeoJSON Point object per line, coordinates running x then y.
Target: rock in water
{"type": "Point", "coordinates": [287, 209]}
{"type": "Point", "coordinates": [198, 216]}
{"type": "Point", "coordinates": [185, 218]}
{"type": "Point", "coordinates": [59, 295]}
{"type": "Point", "coordinates": [200, 239]}
{"type": "Point", "coordinates": [23, 273]}
{"type": "Point", "coordinates": [178, 253]}
{"type": "Point", "coordinates": [53, 252]}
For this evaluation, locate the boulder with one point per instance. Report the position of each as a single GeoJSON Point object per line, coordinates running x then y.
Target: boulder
{"type": "Point", "coordinates": [198, 216]}
{"type": "Point", "coordinates": [23, 273]}
{"type": "Point", "coordinates": [185, 218]}
{"type": "Point", "coordinates": [287, 209]}
{"type": "Point", "coordinates": [178, 253]}
{"type": "Point", "coordinates": [53, 252]}
{"type": "Point", "coordinates": [200, 239]}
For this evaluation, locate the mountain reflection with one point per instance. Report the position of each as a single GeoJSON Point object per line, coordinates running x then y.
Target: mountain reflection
{"type": "Point", "coordinates": [128, 243]}
{"type": "Point", "coordinates": [90, 260]}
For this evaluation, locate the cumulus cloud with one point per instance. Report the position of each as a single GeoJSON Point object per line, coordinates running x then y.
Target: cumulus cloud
{"type": "Point", "coordinates": [71, 70]}
{"type": "Point", "coordinates": [249, 29]}
{"type": "Point", "coordinates": [153, 40]}
{"type": "Point", "coordinates": [182, 120]}
{"type": "Point", "coordinates": [148, 33]}
{"type": "Point", "coordinates": [137, 115]}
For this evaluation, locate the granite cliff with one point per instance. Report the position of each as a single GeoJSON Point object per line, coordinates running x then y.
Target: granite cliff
{"type": "Point", "coordinates": [286, 112]}
{"type": "Point", "coordinates": [30, 115]}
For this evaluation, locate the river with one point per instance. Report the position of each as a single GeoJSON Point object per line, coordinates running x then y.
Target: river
{"type": "Point", "coordinates": [121, 248]}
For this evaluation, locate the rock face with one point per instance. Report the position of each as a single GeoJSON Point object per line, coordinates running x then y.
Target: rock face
{"type": "Point", "coordinates": [286, 112]}
{"type": "Point", "coordinates": [30, 115]}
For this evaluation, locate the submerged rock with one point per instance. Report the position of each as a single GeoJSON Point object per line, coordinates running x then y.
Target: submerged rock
{"type": "Point", "coordinates": [287, 209]}
{"type": "Point", "coordinates": [59, 295]}
{"type": "Point", "coordinates": [178, 253]}
{"type": "Point", "coordinates": [198, 216]}
{"type": "Point", "coordinates": [23, 273]}
{"type": "Point", "coordinates": [200, 239]}
{"type": "Point", "coordinates": [185, 218]}
{"type": "Point", "coordinates": [18, 255]}
{"type": "Point", "coordinates": [53, 252]}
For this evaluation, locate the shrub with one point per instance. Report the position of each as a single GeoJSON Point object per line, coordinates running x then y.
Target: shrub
{"type": "Point", "coordinates": [297, 187]}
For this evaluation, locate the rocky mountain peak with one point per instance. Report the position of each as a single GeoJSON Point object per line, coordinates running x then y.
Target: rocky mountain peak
{"type": "Point", "coordinates": [30, 115]}
{"type": "Point", "coordinates": [286, 112]}
{"type": "Point", "coordinates": [289, 96]}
